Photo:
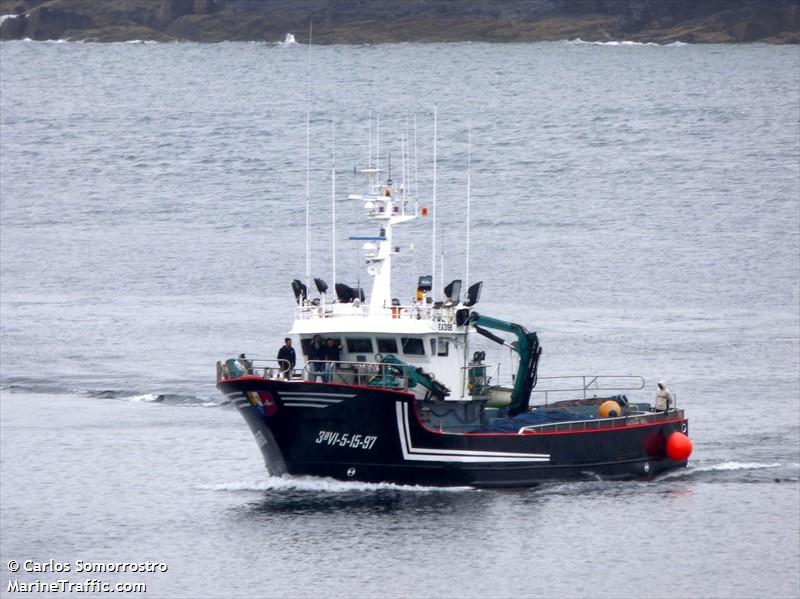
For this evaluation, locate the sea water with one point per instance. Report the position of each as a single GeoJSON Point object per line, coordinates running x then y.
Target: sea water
{"type": "Point", "coordinates": [637, 205]}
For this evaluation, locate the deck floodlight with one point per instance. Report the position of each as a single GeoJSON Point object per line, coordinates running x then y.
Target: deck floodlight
{"type": "Point", "coordinates": [347, 294]}
{"type": "Point", "coordinates": [322, 286]}
{"type": "Point", "coordinates": [453, 291]}
{"type": "Point", "coordinates": [425, 283]}
{"type": "Point", "coordinates": [474, 294]}
{"type": "Point", "coordinates": [300, 290]}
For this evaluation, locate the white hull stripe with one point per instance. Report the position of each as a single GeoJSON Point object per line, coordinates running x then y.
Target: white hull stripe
{"type": "Point", "coordinates": [298, 404]}
{"type": "Point", "coordinates": [454, 455]}
{"type": "Point", "coordinates": [311, 398]}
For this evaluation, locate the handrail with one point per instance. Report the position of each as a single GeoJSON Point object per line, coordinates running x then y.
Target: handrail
{"type": "Point", "coordinates": [618, 421]}
{"type": "Point", "coordinates": [236, 367]}
{"type": "Point", "coordinates": [371, 374]}
{"type": "Point", "coordinates": [416, 311]}
{"type": "Point", "coordinates": [368, 374]}
{"type": "Point", "coordinates": [591, 382]}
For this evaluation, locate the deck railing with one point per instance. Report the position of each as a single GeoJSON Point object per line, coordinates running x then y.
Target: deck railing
{"type": "Point", "coordinates": [366, 374]}
{"type": "Point", "coordinates": [618, 422]}
{"type": "Point", "coordinates": [269, 369]}
{"type": "Point", "coordinates": [418, 311]}
{"type": "Point", "coordinates": [587, 384]}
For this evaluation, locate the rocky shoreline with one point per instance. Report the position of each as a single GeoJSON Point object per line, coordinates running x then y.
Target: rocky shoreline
{"type": "Point", "coordinates": [388, 21]}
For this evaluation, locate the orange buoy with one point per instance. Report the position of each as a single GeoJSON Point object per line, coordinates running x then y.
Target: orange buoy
{"type": "Point", "coordinates": [610, 409]}
{"type": "Point", "coordinates": [679, 447]}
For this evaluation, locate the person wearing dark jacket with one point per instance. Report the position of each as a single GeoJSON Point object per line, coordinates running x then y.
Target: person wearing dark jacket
{"type": "Point", "coordinates": [287, 358]}
{"type": "Point", "coordinates": [316, 358]}
{"type": "Point", "coordinates": [333, 354]}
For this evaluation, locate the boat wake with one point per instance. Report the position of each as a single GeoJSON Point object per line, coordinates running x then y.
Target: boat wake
{"type": "Point", "coordinates": [733, 471]}
{"type": "Point", "coordinates": [324, 485]}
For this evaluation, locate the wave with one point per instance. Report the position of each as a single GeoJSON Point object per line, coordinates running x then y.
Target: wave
{"type": "Point", "coordinates": [52, 387]}
{"type": "Point", "coordinates": [578, 42]}
{"type": "Point", "coordinates": [288, 40]}
{"type": "Point", "coordinates": [324, 485]}
{"type": "Point", "coordinates": [724, 468]}
{"type": "Point", "coordinates": [183, 399]}
{"type": "Point", "coordinates": [4, 18]}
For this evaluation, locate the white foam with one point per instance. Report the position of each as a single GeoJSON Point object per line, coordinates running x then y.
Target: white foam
{"type": "Point", "coordinates": [145, 397]}
{"type": "Point", "coordinates": [721, 467]}
{"type": "Point", "coordinates": [579, 41]}
{"type": "Point", "coordinates": [288, 40]}
{"type": "Point", "coordinates": [325, 485]}
{"type": "Point", "coordinates": [4, 18]}
{"type": "Point", "coordinates": [724, 466]}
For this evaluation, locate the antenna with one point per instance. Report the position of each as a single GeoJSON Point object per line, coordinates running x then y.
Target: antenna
{"type": "Point", "coordinates": [378, 144]}
{"type": "Point", "coordinates": [333, 199]}
{"type": "Point", "coordinates": [369, 137]}
{"type": "Point", "coordinates": [308, 153]}
{"type": "Point", "coordinates": [469, 165]}
{"type": "Point", "coordinates": [416, 187]}
{"type": "Point", "coordinates": [403, 168]}
{"type": "Point", "coordinates": [433, 245]}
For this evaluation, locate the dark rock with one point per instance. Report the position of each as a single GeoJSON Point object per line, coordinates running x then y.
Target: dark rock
{"type": "Point", "coordinates": [13, 28]}
{"type": "Point", "coordinates": [378, 21]}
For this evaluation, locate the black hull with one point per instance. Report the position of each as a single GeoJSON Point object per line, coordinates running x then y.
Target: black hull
{"type": "Point", "coordinates": [375, 435]}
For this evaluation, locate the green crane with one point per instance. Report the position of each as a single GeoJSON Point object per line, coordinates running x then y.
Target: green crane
{"type": "Point", "coordinates": [416, 376]}
{"type": "Point", "coordinates": [526, 346]}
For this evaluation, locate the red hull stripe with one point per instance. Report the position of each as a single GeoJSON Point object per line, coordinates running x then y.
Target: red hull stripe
{"type": "Point", "coordinates": [318, 384]}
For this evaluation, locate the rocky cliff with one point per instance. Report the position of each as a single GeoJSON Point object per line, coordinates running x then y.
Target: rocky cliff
{"type": "Point", "coordinates": [381, 21]}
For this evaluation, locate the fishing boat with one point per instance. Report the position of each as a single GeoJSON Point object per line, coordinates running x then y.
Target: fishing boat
{"type": "Point", "coordinates": [410, 399]}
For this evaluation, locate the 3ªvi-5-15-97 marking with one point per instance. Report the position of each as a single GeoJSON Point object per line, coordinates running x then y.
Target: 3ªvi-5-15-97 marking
{"type": "Point", "coordinates": [347, 440]}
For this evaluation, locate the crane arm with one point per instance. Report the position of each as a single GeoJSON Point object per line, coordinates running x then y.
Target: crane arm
{"type": "Point", "coordinates": [526, 345]}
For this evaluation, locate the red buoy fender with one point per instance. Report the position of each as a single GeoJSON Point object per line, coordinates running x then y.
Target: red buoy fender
{"type": "Point", "coordinates": [679, 447]}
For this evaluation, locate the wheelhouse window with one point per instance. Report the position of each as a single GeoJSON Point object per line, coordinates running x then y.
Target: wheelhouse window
{"type": "Point", "coordinates": [307, 342]}
{"type": "Point", "coordinates": [359, 345]}
{"type": "Point", "coordinates": [439, 347]}
{"type": "Point", "coordinates": [413, 346]}
{"type": "Point", "coordinates": [387, 345]}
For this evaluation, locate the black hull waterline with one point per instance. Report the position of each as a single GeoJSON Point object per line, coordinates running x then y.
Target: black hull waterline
{"type": "Point", "coordinates": [370, 434]}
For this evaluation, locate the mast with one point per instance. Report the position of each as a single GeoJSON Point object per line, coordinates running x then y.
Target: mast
{"type": "Point", "coordinates": [433, 243]}
{"type": "Point", "coordinates": [416, 187]}
{"type": "Point", "coordinates": [333, 199]}
{"type": "Point", "coordinates": [403, 170]}
{"type": "Point", "coordinates": [469, 165]}
{"type": "Point", "coordinates": [369, 142]}
{"type": "Point", "coordinates": [378, 144]}
{"type": "Point", "coordinates": [308, 154]}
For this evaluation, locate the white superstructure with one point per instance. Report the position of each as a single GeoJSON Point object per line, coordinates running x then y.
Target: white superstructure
{"type": "Point", "coordinates": [423, 334]}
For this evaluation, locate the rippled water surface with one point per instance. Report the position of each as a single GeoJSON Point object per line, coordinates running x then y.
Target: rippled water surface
{"type": "Point", "coordinates": [637, 205]}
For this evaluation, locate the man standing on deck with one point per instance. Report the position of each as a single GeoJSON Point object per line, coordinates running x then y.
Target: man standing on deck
{"type": "Point", "coordinates": [663, 397]}
{"type": "Point", "coordinates": [333, 354]}
{"type": "Point", "coordinates": [316, 359]}
{"type": "Point", "coordinates": [287, 358]}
